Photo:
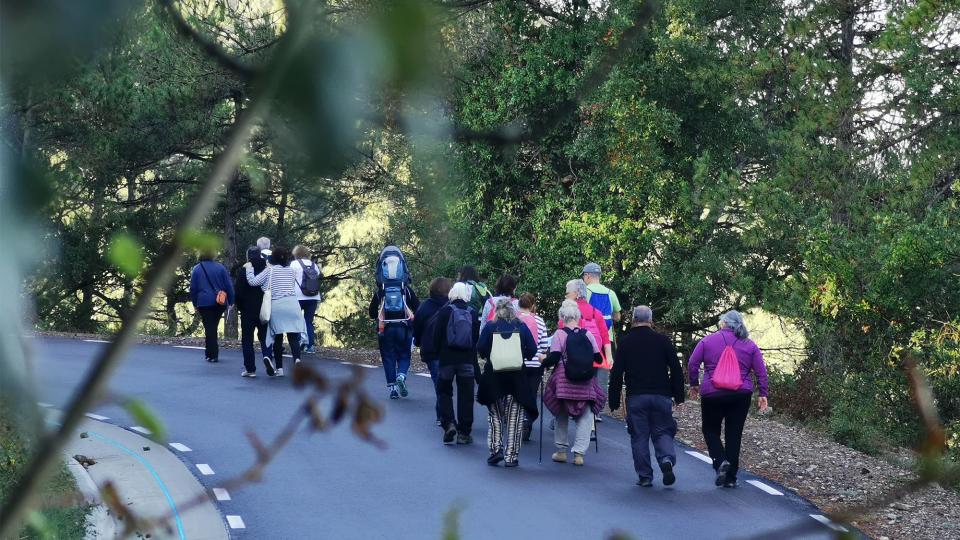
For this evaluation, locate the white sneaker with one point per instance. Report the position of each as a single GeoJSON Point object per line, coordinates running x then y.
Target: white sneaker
{"type": "Point", "coordinates": [279, 372]}
{"type": "Point", "coordinates": [248, 374]}
{"type": "Point", "coordinates": [296, 360]}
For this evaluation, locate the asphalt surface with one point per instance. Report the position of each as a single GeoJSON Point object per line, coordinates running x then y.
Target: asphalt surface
{"type": "Point", "coordinates": [333, 485]}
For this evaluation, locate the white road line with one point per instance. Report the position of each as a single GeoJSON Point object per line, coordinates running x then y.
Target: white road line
{"type": "Point", "coordinates": [44, 405]}
{"type": "Point", "coordinates": [141, 429]}
{"type": "Point", "coordinates": [189, 347]}
{"type": "Point", "coordinates": [180, 446]}
{"type": "Point", "coordinates": [221, 494]}
{"type": "Point", "coordinates": [368, 366]}
{"type": "Point", "coordinates": [347, 363]}
{"type": "Point", "coordinates": [701, 457]}
{"type": "Point", "coordinates": [422, 374]}
{"type": "Point", "coordinates": [96, 341]}
{"type": "Point", "coordinates": [826, 521]}
{"type": "Point", "coordinates": [236, 522]}
{"type": "Point", "coordinates": [760, 485]}
{"type": "Point", "coordinates": [204, 469]}
{"type": "Point", "coordinates": [97, 416]}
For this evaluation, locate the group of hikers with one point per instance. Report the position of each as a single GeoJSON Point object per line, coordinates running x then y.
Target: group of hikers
{"type": "Point", "coordinates": [463, 323]}
{"type": "Point", "coordinates": [276, 292]}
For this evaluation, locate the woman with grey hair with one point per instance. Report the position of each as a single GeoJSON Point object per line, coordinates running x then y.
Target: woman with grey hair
{"type": "Point", "coordinates": [726, 403]}
{"type": "Point", "coordinates": [591, 319]}
{"type": "Point", "coordinates": [565, 395]}
{"type": "Point", "coordinates": [507, 344]}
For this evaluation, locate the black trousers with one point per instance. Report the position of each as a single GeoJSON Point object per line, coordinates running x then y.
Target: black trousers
{"type": "Point", "coordinates": [293, 338]}
{"type": "Point", "coordinates": [730, 411]}
{"type": "Point", "coordinates": [247, 327]}
{"type": "Point", "coordinates": [211, 315]}
{"type": "Point", "coordinates": [465, 379]}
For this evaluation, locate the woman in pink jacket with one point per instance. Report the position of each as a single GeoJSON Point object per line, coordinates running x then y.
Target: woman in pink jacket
{"type": "Point", "coordinates": [727, 407]}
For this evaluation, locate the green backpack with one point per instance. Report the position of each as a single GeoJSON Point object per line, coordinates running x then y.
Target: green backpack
{"type": "Point", "coordinates": [480, 295]}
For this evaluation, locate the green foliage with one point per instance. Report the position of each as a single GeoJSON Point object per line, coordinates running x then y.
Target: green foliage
{"type": "Point", "coordinates": [145, 416]}
{"type": "Point", "coordinates": [126, 253]}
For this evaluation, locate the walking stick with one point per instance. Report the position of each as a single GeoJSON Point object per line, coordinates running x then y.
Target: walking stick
{"type": "Point", "coordinates": [541, 418]}
{"type": "Point", "coordinates": [596, 436]}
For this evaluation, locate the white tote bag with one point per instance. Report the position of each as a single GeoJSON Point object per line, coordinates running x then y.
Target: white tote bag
{"type": "Point", "coordinates": [506, 354]}
{"type": "Point", "coordinates": [267, 298]}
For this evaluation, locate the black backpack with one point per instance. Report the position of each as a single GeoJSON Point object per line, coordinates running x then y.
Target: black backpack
{"type": "Point", "coordinates": [578, 367]}
{"type": "Point", "coordinates": [310, 286]}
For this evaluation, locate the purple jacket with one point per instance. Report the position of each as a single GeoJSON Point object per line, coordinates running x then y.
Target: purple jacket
{"type": "Point", "coordinates": [708, 353]}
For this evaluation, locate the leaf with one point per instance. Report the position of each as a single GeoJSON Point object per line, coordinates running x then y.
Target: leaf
{"type": "Point", "coordinates": [203, 242]}
{"type": "Point", "coordinates": [126, 253]}
{"type": "Point", "coordinates": [146, 418]}
{"type": "Point", "coordinates": [38, 522]}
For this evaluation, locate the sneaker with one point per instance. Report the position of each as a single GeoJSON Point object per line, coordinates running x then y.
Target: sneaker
{"type": "Point", "coordinates": [527, 430]}
{"type": "Point", "coordinates": [296, 361]}
{"type": "Point", "coordinates": [393, 393]}
{"type": "Point", "coordinates": [249, 374]}
{"type": "Point", "coordinates": [730, 484]}
{"type": "Point", "coordinates": [495, 458]}
{"type": "Point", "coordinates": [310, 350]}
{"type": "Point", "coordinates": [514, 463]}
{"type": "Point", "coordinates": [439, 423]}
{"type": "Point", "coordinates": [214, 360]}
{"type": "Point", "coordinates": [722, 473]}
{"type": "Point", "coordinates": [464, 438]}
{"type": "Point", "coordinates": [402, 385]}
{"type": "Point", "coordinates": [599, 418]}
{"type": "Point", "coordinates": [667, 469]}
{"type": "Point", "coordinates": [578, 459]}
{"type": "Point", "coordinates": [449, 434]}
{"type": "Point", "coordinates": [279, 372]}
{"type": "Point", "coordinates": [268, 365]}
{"type": "Point", "coordinates": [559, 457]}
{"type": "Point", "coordinates": [645, 482]}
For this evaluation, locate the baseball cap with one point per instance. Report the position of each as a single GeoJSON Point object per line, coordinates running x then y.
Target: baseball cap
{"type": "Point", "coordinates": [591, 268]}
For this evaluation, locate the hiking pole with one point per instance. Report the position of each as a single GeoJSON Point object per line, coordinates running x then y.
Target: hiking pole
{"type": "Point", "coordinates": [541, 418]}
{"type": "Point", "coordinates": [596, 436]}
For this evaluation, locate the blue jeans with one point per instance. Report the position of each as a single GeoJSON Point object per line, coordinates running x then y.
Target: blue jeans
{"type": "Point", "coordinates": [395, 343]}
{"type": "Point", "coordinates": [650, 418]}
{"type": "Point", "coordinates": [434, 366]}
{"type": "Point", "coordinates": [309, 308]}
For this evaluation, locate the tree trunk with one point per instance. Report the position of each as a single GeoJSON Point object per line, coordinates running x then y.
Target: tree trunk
{"type": "Point", "coordinates": [171, 310]}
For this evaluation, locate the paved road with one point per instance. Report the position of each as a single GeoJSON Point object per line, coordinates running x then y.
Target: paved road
{"type": "Point", "coordinates": [334, 486]}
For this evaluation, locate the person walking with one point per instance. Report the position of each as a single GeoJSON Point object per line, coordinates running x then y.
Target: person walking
{"type": "Point", "coordinates": [572, 390]}
{"type": "Point", "coordinates": [424, 329]}
{"type": "Point", "coordinates": [505, 287]}
{"type": "Point", "coordinates": [527, 314]}
{"type": "Point", "coordinates": [285, 316]}
{"type": "Point", "coordinates": [308, 276]}
{"type": "Point", "coordinates": [455, 335]}
{"type": "Point", "coordinates": [392, 306]}
{"type": "Point", "coordinates": [725, 393]}
{"type": "Point", "coordinates": [249, 300]}
{"type": "Point", "coordinates": [607, 303]}
{"type": "Point", "coordinates": [591, 319]}
{"type": "Point", "coordinates": [211, 292]}
{"type": "Point", "coordinates": [479, 293]}
{"type": "Point", "coordinates": [647, 361]}
{"type": "Point", "coordinates": [506, 343]}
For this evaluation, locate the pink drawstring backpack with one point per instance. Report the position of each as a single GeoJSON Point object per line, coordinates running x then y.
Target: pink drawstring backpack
{"type": "Point", "coordinates": [726, 376]}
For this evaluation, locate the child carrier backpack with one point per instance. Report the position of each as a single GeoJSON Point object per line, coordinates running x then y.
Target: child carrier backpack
{"type": "Point", "coordinates": [578, 365]}
{"type": "Point", "coordinates": [393, 277]}
{"type": "Point", "coordinates": [726, 376]}
{"type": "Point", "coordinates": [310, 285]}
{"type": "Point", "coordinates": [506, 353]}
{"type": "Point", "coordinates": [460, 329]}
{"type": "Point", "coordinates": [604, 305]}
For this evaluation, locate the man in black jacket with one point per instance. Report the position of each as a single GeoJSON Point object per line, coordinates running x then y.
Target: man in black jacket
{"type": "Point", "coordinates": [648, 361]}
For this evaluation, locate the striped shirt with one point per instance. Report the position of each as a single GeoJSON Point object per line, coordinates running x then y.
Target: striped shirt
{"type": "Point", "coordinates": [281, 279]}
{"type": "Point", "coordinates": [541, 336]}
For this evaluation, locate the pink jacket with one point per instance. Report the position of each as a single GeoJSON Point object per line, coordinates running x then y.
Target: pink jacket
{"type": "Point", "coordinates": [708, 353]}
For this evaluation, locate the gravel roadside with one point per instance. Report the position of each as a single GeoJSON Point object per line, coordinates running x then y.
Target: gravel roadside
{"type": "Point", "coordinates": [831, 475]}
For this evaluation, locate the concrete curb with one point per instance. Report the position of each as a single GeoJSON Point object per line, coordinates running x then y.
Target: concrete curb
{"type": "Point", "coordinates": [100, 523]}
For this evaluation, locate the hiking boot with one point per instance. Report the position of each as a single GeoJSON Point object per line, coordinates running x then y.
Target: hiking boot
{"type": "Point", "coordinates": [249, 374]}
{"type": "Point", "coordinates": [393, 392]}
{"type": "Point", "coordinates": [645, 482]}
{"type": "Point", "coordinates": [268, 365]}
{"type": "Point", "coordinates": [578, 459]}
{"type": "Point", "coordinates": [559, 457]}
{"type": "Point", "coordinates": [402, 385]}
{"type": "Point", "coordinates": [449, 434]}
{"type": "Point", "coordinates": [464, 438]}
{"type": "Point", "coordinates": [722, 473]}
{"type": "Point", "coordinates": [667, 469]}
{"type": "Point", "coordinates": [495, 458]}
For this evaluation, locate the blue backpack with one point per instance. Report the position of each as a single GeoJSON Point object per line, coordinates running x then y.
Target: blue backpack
{"type": "Point", "coordinates": [602, 302]}
{"type": "Point", "coordinates": [460, 328]}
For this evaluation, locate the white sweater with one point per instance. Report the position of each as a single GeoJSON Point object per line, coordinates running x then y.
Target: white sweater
{"type": "Point", "coordinates": [298, 273]}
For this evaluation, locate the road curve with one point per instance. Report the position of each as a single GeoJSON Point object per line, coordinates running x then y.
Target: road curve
{"type": "Point", "coordinates": [334, 486]}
